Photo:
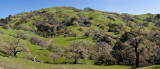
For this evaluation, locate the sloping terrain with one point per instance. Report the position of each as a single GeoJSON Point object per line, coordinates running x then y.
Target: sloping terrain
{"type": "Point", "coordinates": [63, 25]}
{"type": "Point", "coordinates": [16, 63]}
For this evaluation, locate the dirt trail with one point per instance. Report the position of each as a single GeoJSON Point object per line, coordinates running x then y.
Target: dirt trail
{"type": "Point", "coordinates": [49, 42]}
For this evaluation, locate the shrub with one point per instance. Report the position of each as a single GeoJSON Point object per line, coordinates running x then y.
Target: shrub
{"type": "Point", "coordinates": [67, 22]}
{"type": "Point", "coordinates": [86, 34]}
{"type": "Point", "coordinates": [129, 24]}
{"type": "Point", "coordinates": [157, 16]}
{"type": "Point", "coordinates": [44, 44]}
{"type": "Point", "coordinates": [21, 35]}
{"type": "Point", "coordinates": [52, 21]}
{"type": "Point", "coordinates": [145, 24]}
{"type": "Point", "coordinates": [120, 26]}
{"type": "Point", "coordinates": [111, 17]}
{"type": "Point", "coordinates": [6, 26]}
{"type": "Point", "coordinates": [117, 30]}
{"type": "Point", "coordinates": [105, 38]}
{"type": "Point", "coordinates": [157, 23]}
{"type": "Point", "coordinates": [80, 29]}
{"type": "Point", "coordinates": [96, 36]}
{"type": "Point", "coordinates": [148, 19]}
{"type": "Point", "coordinates": [89, 9]}
{"type": "Point", "coordinates": [84, 22]}
{"type": "Point", "coordinates": [36, 41]}
{"type": "Point", "coordinates": [73, 34]}
{"type": "Point", "coordinates": [18, 26]}
{"type": "Point", "coordinates": [126, 17]}
{"type": "Point", "coordinates": [45, 30]}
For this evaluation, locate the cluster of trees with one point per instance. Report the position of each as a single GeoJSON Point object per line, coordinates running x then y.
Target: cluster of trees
{"type": "Point", "coordinates": [136, 47]}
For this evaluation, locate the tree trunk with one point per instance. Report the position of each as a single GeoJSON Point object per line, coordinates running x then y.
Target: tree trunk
{"type": "Point", "coordinates": [85, 62]}
{"type": "Point", "coordinates": [54, 61]}
{"type": "Point", "coordinates": [75, 61]}
{"type": "Point", "coordinates": [15, 54]}
{"type": "Point", "coordinates": [137, 57]}
{"type": "Point", "coordinates": [137, 61]}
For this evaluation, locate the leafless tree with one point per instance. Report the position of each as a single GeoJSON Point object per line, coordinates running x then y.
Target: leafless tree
{"type": "Point", "coordinates": [15, 46]}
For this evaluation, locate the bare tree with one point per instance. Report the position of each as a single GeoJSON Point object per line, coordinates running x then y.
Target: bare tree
{"type": "Point", "coordinates": [103, 55]}
{"type": "Point", "coordinates": [79, 50]}
{"type": "Point", "coordinates": [56, 50]}
{"type": "Point", "coordinates": [21, 35]}
{"type": "Point", "coordinates": [14, 47]}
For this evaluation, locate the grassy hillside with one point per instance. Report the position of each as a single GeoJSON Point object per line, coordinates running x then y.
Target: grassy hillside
{"type": "Point", "coordinates": [43, 54]}
{"type": "Point", "coordinates": [61, 26]}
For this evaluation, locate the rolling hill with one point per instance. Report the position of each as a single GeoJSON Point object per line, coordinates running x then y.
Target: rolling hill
{"type": "Point", "coordinates": [63, 25]}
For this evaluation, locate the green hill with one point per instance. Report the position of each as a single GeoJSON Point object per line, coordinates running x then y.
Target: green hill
{"type": "Point", "coordinates": [63, 25]}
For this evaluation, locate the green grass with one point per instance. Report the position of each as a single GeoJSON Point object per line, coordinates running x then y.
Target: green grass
{"type": "Point", "coordinates": [63, 42]}
{"type": "Point", "coordinates": [17, 63]}
{"type": "Point", "coordinates": [150, 67]}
